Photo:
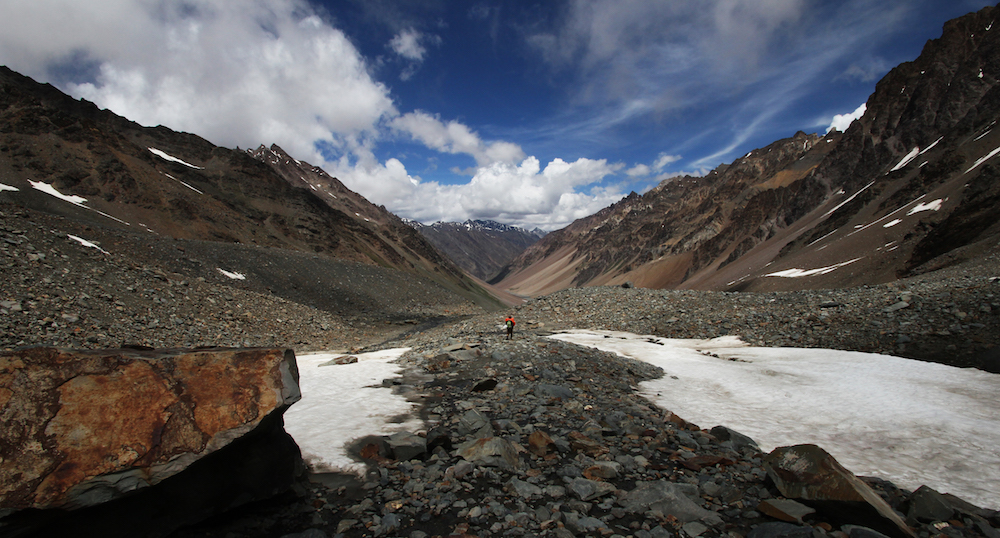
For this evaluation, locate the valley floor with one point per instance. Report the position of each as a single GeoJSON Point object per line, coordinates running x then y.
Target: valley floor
{"type": "Point", "coordinates": [57, 290]}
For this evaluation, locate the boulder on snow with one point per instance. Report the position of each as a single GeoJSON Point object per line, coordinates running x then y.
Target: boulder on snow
{"type": "Point", "coordinates": [737, 439]}
{"type": "Point", "coordinates": [139, 442]}
{"type": "Point", "coordinates": [809, 473]}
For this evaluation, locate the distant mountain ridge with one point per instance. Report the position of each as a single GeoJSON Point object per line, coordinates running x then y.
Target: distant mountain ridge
{"type": "Point", "coordinates": [481, 247]}
{"type": "Point", "coordinates": [908, 188]}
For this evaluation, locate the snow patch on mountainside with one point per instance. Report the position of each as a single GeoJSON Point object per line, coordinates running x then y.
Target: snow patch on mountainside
{"type": "Point", "coordinates": [163, 155]}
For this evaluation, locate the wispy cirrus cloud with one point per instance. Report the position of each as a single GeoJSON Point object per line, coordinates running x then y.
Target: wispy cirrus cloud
{"type": "Point", "coordinates": [731, 67]}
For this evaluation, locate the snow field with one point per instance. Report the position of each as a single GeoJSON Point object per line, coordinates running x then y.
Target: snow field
{"type": "Point", "coordinates": [341, 403]}
{"type": "Point", "coordinates": [907, 421]}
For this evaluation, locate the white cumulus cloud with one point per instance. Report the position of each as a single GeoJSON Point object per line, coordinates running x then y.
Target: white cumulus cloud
{"type": "Point", "coordinates": [407, 44]}
{"type": "Point", "coordinates": [639, 170]}
{"type": "Point", "coordinates": [242, 73]}
{"type": "Point", "coordinates": [522, 193]}
{"type": "Point", "coordinates": [454, 137]}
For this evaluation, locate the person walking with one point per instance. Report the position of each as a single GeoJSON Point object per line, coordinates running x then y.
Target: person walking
{"type": "Point", "coordinates": [509, 322]}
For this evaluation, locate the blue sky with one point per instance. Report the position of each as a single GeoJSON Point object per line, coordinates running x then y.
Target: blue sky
{"type": "Point", "coordinates": [530, 113]}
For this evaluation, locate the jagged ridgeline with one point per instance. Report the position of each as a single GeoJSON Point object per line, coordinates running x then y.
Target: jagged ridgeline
{"type": "Point", "coordinates": [909, 188]}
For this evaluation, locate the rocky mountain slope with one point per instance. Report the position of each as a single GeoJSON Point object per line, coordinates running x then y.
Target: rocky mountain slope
{"type": "Point", "coordinates": [69, 158]}
{"type": "Point", "coordinates": [481, 247]}
{"type": "Point", "coordinates": [908, 188]}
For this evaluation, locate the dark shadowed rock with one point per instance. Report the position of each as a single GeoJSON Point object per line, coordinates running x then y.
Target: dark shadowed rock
{"type": "Point", "coordinates": [777, 529]}
{"type": "Point", "coordinates": [405, 446]}
{"type": "Point", "coordinates": [484, 385]}
{"type": "Point", "coordinates": [785, 509]}
{"type": "Point", "coordinates": [927, 505]}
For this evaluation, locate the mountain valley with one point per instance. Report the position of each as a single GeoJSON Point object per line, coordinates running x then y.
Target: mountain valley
{"type": "Point", "coordinates": [881, 239]}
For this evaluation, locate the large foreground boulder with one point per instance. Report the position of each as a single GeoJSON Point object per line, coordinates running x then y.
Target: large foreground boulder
{"type": "Point", "coordinates": [138, 442]}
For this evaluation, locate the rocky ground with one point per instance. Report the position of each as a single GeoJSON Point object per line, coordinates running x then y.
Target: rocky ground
{"type": "Point", "coordinates": [576, 452]}
{"type": "Point", "coordinates": [536, 437]}
{"type": "Point", "coordinates": [135, 289]}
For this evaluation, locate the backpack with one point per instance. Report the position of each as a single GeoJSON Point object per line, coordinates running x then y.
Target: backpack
{"type": "Point", "coordinates": [510, 324]}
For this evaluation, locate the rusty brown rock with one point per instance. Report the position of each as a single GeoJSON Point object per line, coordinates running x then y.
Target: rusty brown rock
{"type": "Point", "coordinates": [580, 442]}
{"type": "Point", "coordinates": [85, 427]}
{"type": "Point", "coordinates": [539, 443]}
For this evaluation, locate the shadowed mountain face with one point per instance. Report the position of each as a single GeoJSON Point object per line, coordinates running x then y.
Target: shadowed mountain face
{"type": "Point", "coordinates": [68, 158]}
{"type": "Point", "coordinates": [909, 188]}
{"type": "Point", "coordinates": [481, 247]}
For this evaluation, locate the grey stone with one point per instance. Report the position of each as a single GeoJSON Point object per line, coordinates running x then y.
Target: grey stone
{"type": "Point", "coordinates": [491, 452]}
{"type": "Point", "coordinates": [543, 390]}
{"type": "Point", "coordinates": [659, 532]}
{"type": "Point", "coordinates": [406, 446]}
{"type": "Point", "coordinates": [586, 490]}
{"type": "Point", "coordinates": [694, 528]}
{"type": "Point", "coordinates": [390, 522]}
{"type": "Point", "coordinates": [556, 492]}
{"type": "Point", "coordinates": [897, 306]}
{"type": "Point", "coordinates": [474, 424]}
{"type": "Point", "coordinates": [523, 489]}
{"type": "Point", "coordinates": [666, 497]}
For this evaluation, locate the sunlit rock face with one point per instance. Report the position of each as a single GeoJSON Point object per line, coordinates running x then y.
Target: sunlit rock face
{"type": "Point", "coordinates": [85, 428]}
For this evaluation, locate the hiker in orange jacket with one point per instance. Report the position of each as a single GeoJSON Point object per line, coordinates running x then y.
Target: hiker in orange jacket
{"type": "Point", "coordinates": [509, 322]}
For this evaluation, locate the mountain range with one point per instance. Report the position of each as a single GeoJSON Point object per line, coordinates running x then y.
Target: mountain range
{"type": "Point", "coordinates": [481, 247]}
{"type": "Point", "coordinates": [908, 188]}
